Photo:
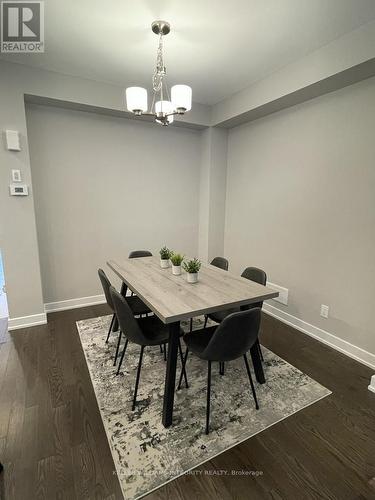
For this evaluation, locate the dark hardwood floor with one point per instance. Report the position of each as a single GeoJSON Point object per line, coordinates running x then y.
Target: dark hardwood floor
{"type": "Point", "coordinates": [53, 444]}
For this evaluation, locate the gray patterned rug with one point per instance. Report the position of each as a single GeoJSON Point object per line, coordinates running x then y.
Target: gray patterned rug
{"type": "Point", "coordinates": [147, 455]}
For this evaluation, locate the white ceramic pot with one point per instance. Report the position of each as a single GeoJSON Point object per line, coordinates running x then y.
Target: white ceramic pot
{"type": "Point", "coordinates": [176, 270]}
{"type": "Point", "coordinates": [192, 277]}
{"type": "Point", "coordinates": [164, 263]}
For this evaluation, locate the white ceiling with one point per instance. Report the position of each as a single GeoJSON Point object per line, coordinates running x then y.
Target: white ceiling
{"type": "Point", "coordinates": [218, 47]}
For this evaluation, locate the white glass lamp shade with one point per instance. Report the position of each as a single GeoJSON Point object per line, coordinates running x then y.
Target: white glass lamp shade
{"type": "Point", "coordinates": [136, 99]}
{"type": "Point", "coordinates": [181, 97]}
{"type": "Point", "coordinates": [164, 107]}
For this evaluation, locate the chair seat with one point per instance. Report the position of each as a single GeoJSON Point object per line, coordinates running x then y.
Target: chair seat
{"type": "Point", "coordinates": [197, 341]}
{"type": "Point", "coordinates": [136, 305]}
{"type": "Point", "coordinates": [218, 316]}
{"type": "Point", "coordinates": [155, 331]}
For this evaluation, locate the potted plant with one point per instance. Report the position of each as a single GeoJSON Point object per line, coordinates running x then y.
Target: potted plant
{"type": "Point", "coordinates": [176, 259]}
{"type": "Point", "coordinates": [165, 255]}
{"type": "Point", "coordinates": [192, 268]}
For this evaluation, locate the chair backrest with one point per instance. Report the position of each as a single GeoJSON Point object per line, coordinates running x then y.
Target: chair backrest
{"type": "Point", "coordinates": [128, 324]}
{"type": "Point", "coordinates": [139, 253]}
{"type": "Point", "coordinates": [257, 275]}
{"type": "Point", "coordinates": [106, 284]}
{"type": "Point", "coordinates": [234, 336]}
{"type": "Point", "coordinates": [220, 262]}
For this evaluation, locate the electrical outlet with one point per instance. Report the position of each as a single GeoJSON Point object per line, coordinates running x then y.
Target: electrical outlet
{"type": "Point", "coordinates": [324, 311]}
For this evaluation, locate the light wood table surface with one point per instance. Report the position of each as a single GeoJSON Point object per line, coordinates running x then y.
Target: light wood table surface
{"type": "Point", "coordinates": [172, 299]}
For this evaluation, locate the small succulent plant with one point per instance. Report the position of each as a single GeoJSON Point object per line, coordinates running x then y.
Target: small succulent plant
{"type": "Point", "coordinates": [165, 253]}
{"type": "Point", "coordinates": [177, 259]}
{"type": "Point", "coordinates": [192, 266]}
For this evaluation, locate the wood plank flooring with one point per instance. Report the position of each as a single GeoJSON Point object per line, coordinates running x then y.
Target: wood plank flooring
{"type": "Point", "coordinates": [53, 444]}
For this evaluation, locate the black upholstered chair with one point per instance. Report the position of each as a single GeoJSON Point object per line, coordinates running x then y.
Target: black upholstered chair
{"type": "Point", "coordinates": [253, 274]}
{"type": "Point", "coordinates": [228, 341]}
{"type": "Point", "coordinates": [124, 287]}
{"type": "Point", "coordinates": [222, 263]}
{"type": "Point", "coordinates": [135, 254]}
{"type": "Point", "coordinates": [139, 253]}
{"type": "Point", "coordinates": [136, 305]}
{"type": "Point", "coordinates": [148, 331]}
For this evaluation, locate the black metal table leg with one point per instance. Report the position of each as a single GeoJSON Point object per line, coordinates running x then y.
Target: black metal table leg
{"type": "Point", "coordinates": [170, 375]}
{"type": "Point", "coordinates": [257, 363]}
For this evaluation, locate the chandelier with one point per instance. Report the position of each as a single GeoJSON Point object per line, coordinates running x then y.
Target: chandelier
{"type": "Point", "coordinates": [163, 106]}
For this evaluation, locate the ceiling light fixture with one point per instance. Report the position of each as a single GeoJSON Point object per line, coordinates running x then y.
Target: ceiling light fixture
{"type": "Point", "coordinates": [163, 106]}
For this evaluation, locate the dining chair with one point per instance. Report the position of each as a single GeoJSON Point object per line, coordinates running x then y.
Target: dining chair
{"type": "Point", "coordinates": [124, 287]}
{"type": "Point", "coordinates": [253, 274]}
{"type": "Point", "coordinates": [139, 253]}
{"type": "Point", "coordinates": [136, 305]}
{"type": "Point", "coordinates": [135, 254]}
{"type": "Point", "coordinates": [228, 341]}
{"type": "Point", "coordinates": [145, 332]}
{"type": "Point", "coordinates": [222, 263]}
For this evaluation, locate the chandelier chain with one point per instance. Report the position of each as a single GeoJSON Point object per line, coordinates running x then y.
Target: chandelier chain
{"type": "Point", "coordinates": [157, 78]}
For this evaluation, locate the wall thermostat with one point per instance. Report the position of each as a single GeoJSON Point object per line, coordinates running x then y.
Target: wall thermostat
{"type": "Point", "coordinates": [12, 140]}
{"type": "Point", "coordinates": [18, 190]}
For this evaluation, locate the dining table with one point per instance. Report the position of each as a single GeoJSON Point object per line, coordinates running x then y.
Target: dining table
{"type": "Point", "coordinates": [172, 299]}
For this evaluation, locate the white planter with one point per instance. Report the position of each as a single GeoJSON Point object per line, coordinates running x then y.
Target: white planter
{"type": "Point", "coordinates": [164, 263]}
{"type": "Point", "coordinates": [192, 277]}
{"type": "Point", "coordinates": [176, 270]}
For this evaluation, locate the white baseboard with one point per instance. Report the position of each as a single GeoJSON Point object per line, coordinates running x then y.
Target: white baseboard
{"type": "Point", "coordinates": [26, 321]}
{"type": "Point", "coordinates": [327, 338]}
{"type": "Point", "coordinates": [371, 387]}
{"type": "Point", "coordinates": [64, 305]}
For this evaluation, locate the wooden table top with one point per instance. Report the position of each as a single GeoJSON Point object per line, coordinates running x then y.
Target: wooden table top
{"type": "Point", "coordinates": [172, 298]}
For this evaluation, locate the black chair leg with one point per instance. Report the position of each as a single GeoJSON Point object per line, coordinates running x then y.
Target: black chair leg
{"type": "Point", "coordinates": [138, 376]}
{"type": "Point", "coordinates": [183, 369]}
{"type": "Point", "coordinates": [208, 398]}
{"type": "Point", "coordinates": [118, 347]}
{"type": "Point", "coordinates": [260, 350]}
{"type": "Point", "coordinates": [110, 328]}
{"type": "Point", "coordinates": [251, 381]}
{"type": "Point", "coordinates": [122, 356]}
{"type": "Point", "coordinates": [221, 367]}
{"type": "Point", "coordinates": [205, 321]}
{"type": "Point", "coordinates": [191, 325]}
{"type": "Point", "coordinates": [115, 325]}
{"type": "Point", "coordinates": [165, 352]}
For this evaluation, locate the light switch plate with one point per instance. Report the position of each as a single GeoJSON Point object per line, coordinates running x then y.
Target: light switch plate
{"type": "Point", "coordinates": [13, 140]}
{"type": "Point", "coordinates": [16, 175]}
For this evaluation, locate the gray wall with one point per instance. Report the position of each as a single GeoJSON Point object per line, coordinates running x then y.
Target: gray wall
{"type": "Point", "coordinates": [18, 240]}
{"type": "Point", "coordinates": [104, 186]}
{"type": "Point", "coordinates": [212, 193]}
{"type": "Point", "coordinates": [301, 205]}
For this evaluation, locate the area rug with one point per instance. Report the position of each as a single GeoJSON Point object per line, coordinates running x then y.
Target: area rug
{"type": "Point", "coordinates": [145, 453]}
